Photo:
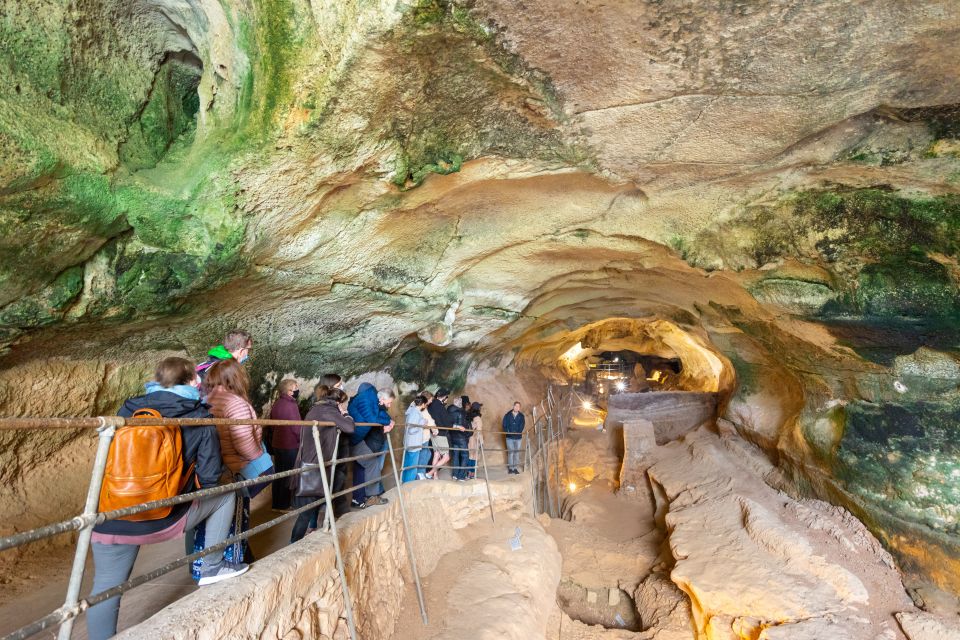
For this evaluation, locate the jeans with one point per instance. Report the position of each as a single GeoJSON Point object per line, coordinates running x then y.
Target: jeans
{"type": "Point", "coordinates": [341, 505]}
{"type": "Point", "coordinates": [426, 458]}
{"type": "Point", "coordinates": [358, 477]}
{"type": "Point", "coordinates": [284, 459]}
{"type": "Point", "coordinates": [372, 468]}
{"type": "Point", "coordinates": [411, 459]}
{"type": "Point", "coordinates": [113, 562]}
{"type": "Point", "coordinates": [513, 452]}
{"type": "Point", "coordinates": [309, 518]}
{"type": "Point", "coordinates": [459, 457]}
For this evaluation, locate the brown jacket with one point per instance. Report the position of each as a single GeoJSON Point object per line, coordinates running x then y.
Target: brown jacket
{"type": "Point", "coordinates": [240, 444]}
{"type": "Point", "coordinates": [323, 411]}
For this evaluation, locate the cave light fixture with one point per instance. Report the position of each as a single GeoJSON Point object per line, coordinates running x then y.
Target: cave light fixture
{"type": "Point", "coordinates": [621, 386]}
{"type": "Point", "coordinates": [572, 486]}
{"type": "Point", "coordinates": [587, 405]}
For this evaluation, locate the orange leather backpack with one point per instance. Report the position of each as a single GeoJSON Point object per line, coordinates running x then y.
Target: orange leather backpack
{"type": "Point", "coordinates": [145, 463]}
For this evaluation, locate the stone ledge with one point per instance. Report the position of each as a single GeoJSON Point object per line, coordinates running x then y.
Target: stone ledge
{"type": "Point", "coordinates": [295, 592]}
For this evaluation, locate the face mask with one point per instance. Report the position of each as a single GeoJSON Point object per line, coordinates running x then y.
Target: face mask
{"type": "Point", "coordinates": [296, 393]}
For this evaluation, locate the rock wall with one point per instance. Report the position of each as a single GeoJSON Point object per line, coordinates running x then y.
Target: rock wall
{"type": "Point", "coordinates": [296, 593]}
{"type": "Point", "coordinates": [757, 563]}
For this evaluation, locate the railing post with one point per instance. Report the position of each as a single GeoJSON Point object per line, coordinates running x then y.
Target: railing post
{"type": "Point", "coordinates": [406, 532]}
{"type": "Point", "coordinates": [104, 438]}
{"type": "Point", "coordinates": [328, 516]}
{"type": "Point", "coordinates": [486, 480]}
{"type": "Point", "coordinates": [545, 466]}
{"type": "Point", "coordinates": [347, 604]}
{"type": "Point", "coordinates": [528, 467]}
{"type": "Point", "coordinates": [557, 443]}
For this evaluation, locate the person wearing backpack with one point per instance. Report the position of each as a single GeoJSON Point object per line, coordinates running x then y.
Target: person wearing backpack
{"type": "Point", "coordinates": [186, 458]}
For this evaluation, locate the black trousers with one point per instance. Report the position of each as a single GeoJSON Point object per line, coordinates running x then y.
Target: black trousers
{"type": "Point", "coordinates": [341, 505]}
{"type": "Point", "coordinates": [303, 520]}
{"type": "Point", "coordinates": [283, 460]}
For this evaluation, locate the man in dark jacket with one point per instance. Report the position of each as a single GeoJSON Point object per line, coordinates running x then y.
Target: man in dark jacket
{"type": "Point", "coordinates": [459, 439]}
{"type": "Point", "coordinates": [370, 405]}
{"type": "Point", "coordinates": [116, 543]}
{"type": "Point", "coordinates": [513, 423]}
{"type": "Point", "coordinates": [438, 411]}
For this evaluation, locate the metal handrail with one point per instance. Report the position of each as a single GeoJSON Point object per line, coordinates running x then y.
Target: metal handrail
{"type": "Point", "coordinates": [106, 427]}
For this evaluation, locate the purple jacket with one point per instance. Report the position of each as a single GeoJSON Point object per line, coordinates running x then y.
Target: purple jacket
{"type": "Point", "coordinates": [285, 408]}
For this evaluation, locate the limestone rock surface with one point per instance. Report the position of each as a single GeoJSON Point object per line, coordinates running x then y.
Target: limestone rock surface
{"type": "Point", "coordinates": [813, 569]}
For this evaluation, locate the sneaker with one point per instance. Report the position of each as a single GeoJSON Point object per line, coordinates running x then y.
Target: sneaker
{"type": "Point", "coordinates": [356, 504]}
{"type": "Point", "coordinates": [374, 501]}
{"type": "Point", "coordinates": [223, 571]}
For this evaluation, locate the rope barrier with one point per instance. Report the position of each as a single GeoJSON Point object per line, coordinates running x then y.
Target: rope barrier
{"type": "Point", "coordinates": [106, 426]}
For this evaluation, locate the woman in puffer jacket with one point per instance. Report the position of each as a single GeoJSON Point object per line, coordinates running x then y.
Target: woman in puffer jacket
{"type": "Point", "coordinates": [307, 488]}
{"type": "Point", "coordinates": [241, 445]}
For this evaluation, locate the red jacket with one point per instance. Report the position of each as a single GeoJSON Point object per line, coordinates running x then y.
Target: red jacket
{"type": "Point", "coordinates": [285, 408]}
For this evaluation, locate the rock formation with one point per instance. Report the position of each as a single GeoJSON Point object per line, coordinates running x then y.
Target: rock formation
{"type": "Point", "coordinates": [463, 191]}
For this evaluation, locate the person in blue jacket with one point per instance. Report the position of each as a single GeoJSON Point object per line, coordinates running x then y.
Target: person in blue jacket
{"type": "Point", "coordinates": [513, 423]}
{"type": "Point", "coordinates": [370, 405]}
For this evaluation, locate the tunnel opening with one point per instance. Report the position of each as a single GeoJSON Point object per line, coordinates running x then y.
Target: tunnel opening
{"type": "Point", "coordinates": [626, 371]}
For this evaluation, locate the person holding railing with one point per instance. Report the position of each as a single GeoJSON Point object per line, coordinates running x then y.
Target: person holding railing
{"type": "Point", "coordinates": [341, 505]}
{"type": "Point", "coordinates": [308, 487]}
{"type": "Point", "coordinates": [174, 393]}
{"type": "Point", "coordinates": [458, 438]}
{"type": "Point", "coordinates": [513, 423]}
{"type": "Point", "coordinates": [371, 405]}
{"type": "Point", "coordinates": [440, 441]}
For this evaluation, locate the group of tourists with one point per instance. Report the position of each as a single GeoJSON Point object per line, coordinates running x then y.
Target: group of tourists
{"type": "Point", "coordinates": [148, 463]}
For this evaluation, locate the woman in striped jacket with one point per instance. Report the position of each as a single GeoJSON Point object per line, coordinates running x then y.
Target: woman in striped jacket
{"type": "Point", "coordinates": [241, 445]}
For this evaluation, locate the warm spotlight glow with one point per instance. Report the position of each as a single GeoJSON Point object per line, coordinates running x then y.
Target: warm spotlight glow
{"type": "Point", "coordinates": [587, 405]}
{"type": "Point", "coordinates": [573, 487]}
{"type": "Point", "coordinates": [621, 385]}
{"type": "Point", "coordinates": [572, 352]}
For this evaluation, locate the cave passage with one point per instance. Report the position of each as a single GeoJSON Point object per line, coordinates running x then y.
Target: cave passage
{"type": "Point", "coordinates": [626, 371]}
